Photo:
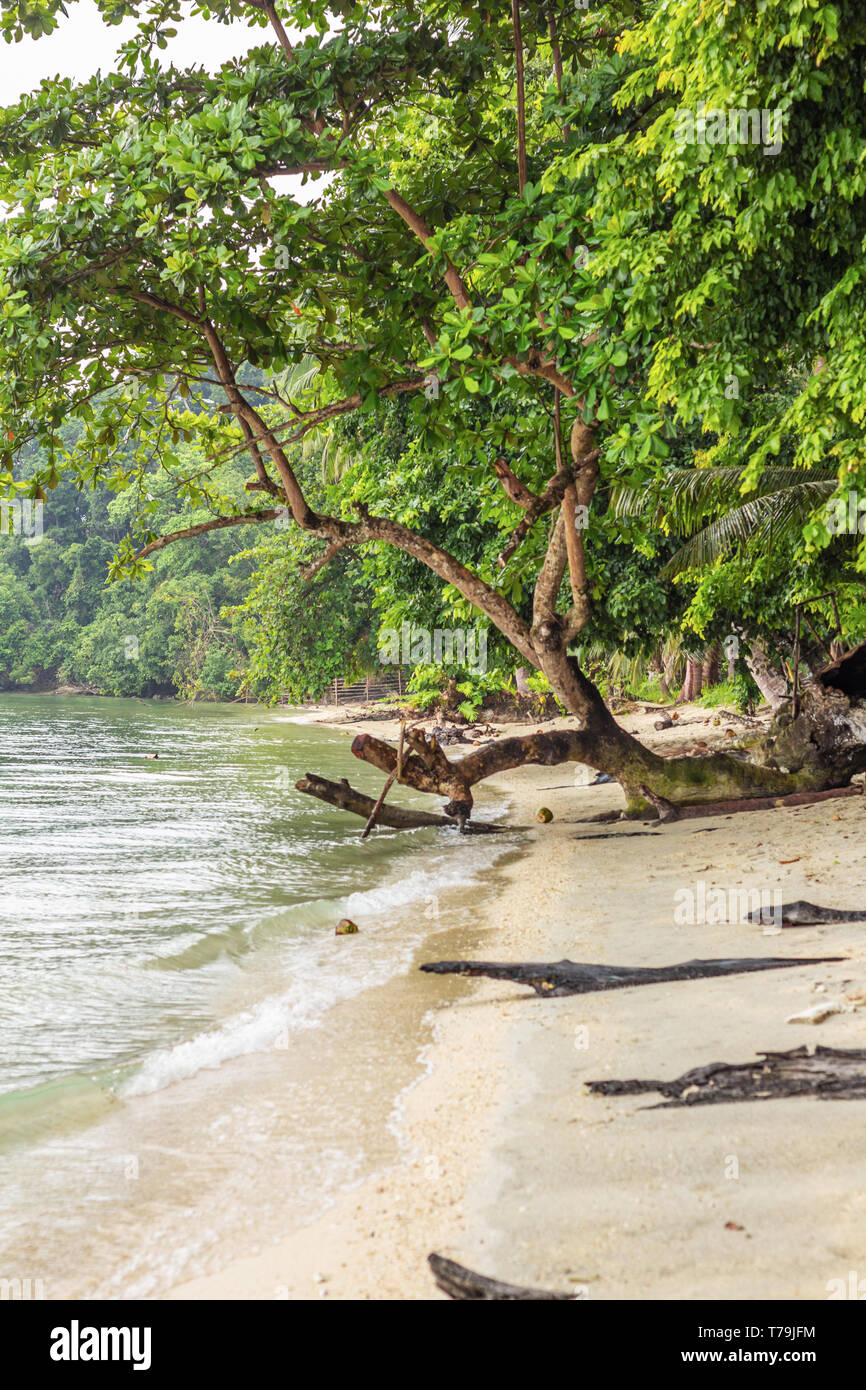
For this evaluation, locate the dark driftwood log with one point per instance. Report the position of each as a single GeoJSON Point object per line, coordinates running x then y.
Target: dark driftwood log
{"type": "Point", "coordinates": [459, 1282]}
{"type": "Point", "coordinates": [565, 977]}
{"type": "Point", "coordinates": [803, 914]}
{"type": "Point", "coordinates": [829, 1073]}
{"type": "Point", "coordinates": [340, 794]}
{"type": "Point", "coordinates": [619, 835]}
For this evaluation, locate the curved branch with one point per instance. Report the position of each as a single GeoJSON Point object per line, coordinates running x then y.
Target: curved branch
{"type": "Point", "coordinates": [429, 770]}
{"type": "Point", "coordinates": [424, 233]}
{"type": "Point", "coordinates": [219, 523]}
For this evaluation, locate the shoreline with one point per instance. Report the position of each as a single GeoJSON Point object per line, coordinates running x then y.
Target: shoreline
{"type": "Point", "coordinates": [358, 1248]}
{"type": "Point", "coordinates": [510, 1167]}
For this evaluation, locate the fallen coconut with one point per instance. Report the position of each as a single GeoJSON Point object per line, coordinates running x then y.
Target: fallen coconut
{"type": "Point", "coordinates": [544, 815]}
{"type": "Point", "coordinates": [346, 927]}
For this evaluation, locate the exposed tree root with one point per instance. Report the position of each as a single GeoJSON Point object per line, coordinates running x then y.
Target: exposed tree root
{"type": "Point", "coordinates": [462, 1283]}
{"type": "Point", "coordinates": [566, 977]}
{"type": "Point", "coordinates": [760, 803]}
{"type": "Point", "coordinates": [829, 1073]}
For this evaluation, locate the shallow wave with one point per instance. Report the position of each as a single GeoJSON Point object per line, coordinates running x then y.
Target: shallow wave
{"type": "Point", "coordinates": [319, 978]}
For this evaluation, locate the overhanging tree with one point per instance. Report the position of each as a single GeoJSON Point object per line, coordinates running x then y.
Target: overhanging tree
{"type": "Point", "coordinates": [510, 214]}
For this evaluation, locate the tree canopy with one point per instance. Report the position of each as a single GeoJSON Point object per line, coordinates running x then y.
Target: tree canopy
{"type": "Point", "coordinates": [614, 225]}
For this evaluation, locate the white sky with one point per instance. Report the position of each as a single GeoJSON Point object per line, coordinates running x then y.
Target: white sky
{"type": "Point", "coordinates": [82, 44]}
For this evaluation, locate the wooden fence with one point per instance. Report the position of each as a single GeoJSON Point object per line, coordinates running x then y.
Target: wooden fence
{"type": "Point", "coordinates": [390, 685]}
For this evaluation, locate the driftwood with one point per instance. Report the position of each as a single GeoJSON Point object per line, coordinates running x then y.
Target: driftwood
{"type": "Point", "coordinates": [461, 1283]}
{"type": "Point", "coordinates": [377, 806]}
{"type": "Point", "coordinates": [803, 914]}
{"type": "Point", "coordinates": [389, 781]}
{"type": "Point", "coordinates": [566, 977]}
{"type": "Point", "coordinates": [619, 835]}
{"type": "Point", "coordinates": [829, 1073]}
{"type": "Point", "coordinates": [346, 798]}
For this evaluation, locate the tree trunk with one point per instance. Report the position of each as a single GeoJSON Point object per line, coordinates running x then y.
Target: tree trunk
{"type": "Point", "coordinates": [710, 669]}
{"type": "Point", "coordinates": [732, 663]}
{"type": "Point", "coordinates": [656, 666]}
{"type": "Point", "coordinates": [772, 684]}
{"type": "Point", "coordinates": [693, 683]}
{"type": "Point", "coordinates": [821, 749]}
{"type": "Point", "coordinates": [521, 682]}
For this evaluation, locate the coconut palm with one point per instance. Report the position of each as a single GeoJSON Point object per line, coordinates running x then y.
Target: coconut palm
{"type": "Point", "coordinates": [783, 500]}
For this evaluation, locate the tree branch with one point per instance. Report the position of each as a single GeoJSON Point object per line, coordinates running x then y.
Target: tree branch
{"type": "Point", "coordinates": [333, 529]}
{"type": "Point", "coordinates": [218, 523]}
{"type": "Point", "coordinates": [340, 794]}
{"type": "Point", "coordinates": [318, 125]}
{"type": "Point", "coordinates": [327, 555]}
{"type": "Point", "coordinates": [575, 507]}
{"type": "Point", "coordinates": [436, 774]}
{"type": "Point", "coordinates": [423, 232]}
{"type": "Point", "coordinates": [550, 498]}
{"type": "Point", "coordinates": [521, 96]}
{"type": "Point", "coordinates": [178, 312]}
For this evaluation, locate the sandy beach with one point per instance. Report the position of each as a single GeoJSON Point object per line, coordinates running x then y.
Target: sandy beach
{"type": "Point", "coordinates": [507, 1164]}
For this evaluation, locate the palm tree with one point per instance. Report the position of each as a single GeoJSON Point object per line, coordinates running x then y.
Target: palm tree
{"type": "Point", "coordinates": [783, 500]}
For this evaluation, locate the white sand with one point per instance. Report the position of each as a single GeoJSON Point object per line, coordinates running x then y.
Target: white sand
{"type": "Point", "coordinates": [515, 1170]}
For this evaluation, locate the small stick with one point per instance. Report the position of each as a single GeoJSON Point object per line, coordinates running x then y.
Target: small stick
{"type": "Point", "coordinates": [391, 778]}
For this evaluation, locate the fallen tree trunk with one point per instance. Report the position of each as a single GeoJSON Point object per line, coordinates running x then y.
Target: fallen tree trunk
{"type": "Point", "coordinates": [566, 977]}
{"type": "Point", "coordinates": [818, 752]}
{"type": "Point", "coordinates": [462, 1283]}
{"type": "Point", "coordinates": [829, 1073]}
{"type": "Point", "coordinates": [340, 794]}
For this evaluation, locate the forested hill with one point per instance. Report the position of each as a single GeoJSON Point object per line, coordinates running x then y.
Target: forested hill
{"type": "Point", "coordinates": [62, 624]}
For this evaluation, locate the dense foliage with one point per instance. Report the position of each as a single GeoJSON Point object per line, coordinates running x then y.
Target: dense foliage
{"type": "Point", "coordinates": [639, 226]}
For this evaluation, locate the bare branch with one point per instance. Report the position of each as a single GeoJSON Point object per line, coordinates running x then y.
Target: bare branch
{"type": "Point", "coordinates": [424, 233]}
{"type": "Point", "coordinates": [218, 523]}
{"type": "Point", "coordinates": [521, 95]}
{"type": "Point", "coordinates": [550, 498]}
{"type": "Point", "coordinates": [327, 555]}
{"type": "Point", "coordinates": [519, 493]}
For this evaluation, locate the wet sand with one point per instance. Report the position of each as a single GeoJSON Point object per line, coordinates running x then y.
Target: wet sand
{"type": "Point", "coordinates": [505, 1162]}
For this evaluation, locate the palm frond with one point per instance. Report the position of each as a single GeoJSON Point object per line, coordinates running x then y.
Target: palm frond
{"type": "Point", "coordinates": [776, 514]}
{"type": "Point", "coordinates": [687, 496]}
{"type": "Point", "coordinates": [296, 381]}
